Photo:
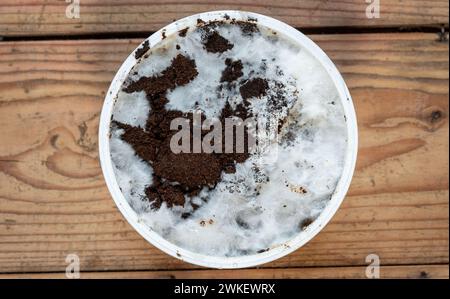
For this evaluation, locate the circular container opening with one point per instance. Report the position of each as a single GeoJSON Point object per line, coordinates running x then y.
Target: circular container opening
{"type": "Point", "coordinates": [274, 252]}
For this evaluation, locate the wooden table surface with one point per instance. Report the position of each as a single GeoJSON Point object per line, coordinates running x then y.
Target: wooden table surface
{"type": "Point", "coordinates": [54, 72]}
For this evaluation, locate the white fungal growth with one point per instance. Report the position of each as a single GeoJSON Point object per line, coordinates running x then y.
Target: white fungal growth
{"type": "Point", "coordinates": [262, 204]}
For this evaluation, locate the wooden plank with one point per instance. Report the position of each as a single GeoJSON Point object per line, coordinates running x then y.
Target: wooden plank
{"type": "Point", "coordinates": [386, 272]}
{"type": "Point", "coordinates": [53, 200]}
{"type": "Point", "coordinates": [45, 17]}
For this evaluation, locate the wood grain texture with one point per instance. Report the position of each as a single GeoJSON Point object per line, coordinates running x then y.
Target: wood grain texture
{"type": "Point", "coordinates": [48, 17]}
{"type": "Point", "coordinates": [53, 200]}
{"type": "Point", "coordinates": [386, 272]}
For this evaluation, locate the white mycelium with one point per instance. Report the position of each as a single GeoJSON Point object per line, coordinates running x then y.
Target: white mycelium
{"type": "Point", "coordinates": [265, 202]}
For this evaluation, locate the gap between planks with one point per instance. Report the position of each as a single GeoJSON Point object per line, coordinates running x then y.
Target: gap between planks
{"type": "Point", "coordinates": [442, 31]}
{"type": "Point", "coordinates": [437, 271]}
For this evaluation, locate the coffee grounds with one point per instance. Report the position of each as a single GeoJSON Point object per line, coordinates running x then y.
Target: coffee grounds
{"type": "Point", "coordinates": [142, 50]}
{"type": "Point", "coordinates": [180, 72]}
{"type": "Point", "coordinates": [263, 250]}
{"type": "Point", "coordinates": [177, 175]}
{"type": "Point", "coordinates": [248, 28]}
{"type": "Point", "coordinates": [183, 32]}
{"type": "Point", "coordinates": [215, 43]}
{"type": "Point", "coordinates": [233, 71]}
{"type": "Point", "coordinates": [305, 223]}
{"type": "Point", "coordinates": [164, 193]}
{"type": "Point", "coordinates": [278, 101]}
{"type": "Point", "coordinates": [256, 87]}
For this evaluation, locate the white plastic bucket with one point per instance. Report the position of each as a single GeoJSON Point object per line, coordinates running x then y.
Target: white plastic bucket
{"type": "Point", "coordinates": [278, 251]}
